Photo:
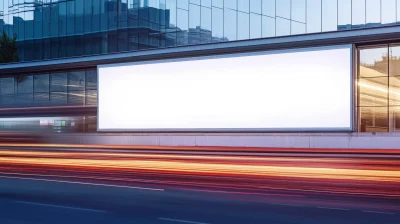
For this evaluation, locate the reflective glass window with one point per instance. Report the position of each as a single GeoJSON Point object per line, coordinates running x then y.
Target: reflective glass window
{"type": "Point", "coordinates": [76, 80]}
{"type": "Point", "coordinates": [388, 11]}
{"type": "Point", "coordinates": [282, 27]}
{"type": "Point", "coordinates": [268, 26]}
{"type": "Point", "coordinates": [358, 13]}
{"type": "Point", "coordinates": [344, 14]}
{"type": "Point", "coordinates": [255, 6]}
{"type": "Point", "coordinates": [230, 24]}
{"type": "Point", "coordinates": [297, 27]}
{"type": "Point", "coordinates": [232, 4]}
{"type": "Point", "coordinates": [373, 91]}
{"type": "Point", "coordinates": [255, 26]}
{"type": "Point", "coordinates": [394, 119]}
{"type": "Point", "coordinates": [7, 86]}
{"type": "Point", "coordinates": [243, 5]}
{"type": "Point", "coordinates": [298, 10]}
{"type": "Point", "coordinates": [217, 23]}
{"type": "Point", "coordinates": [283, 9]}
{"type": "Point", "coordinates": [373, 12]}
{"type": "Point", "coordinates": [373, 119]}
{"type": "Point", "coordinates": [373, 62]}
{"type": "Point", "coordinates": [268, 7]}
{"type": "Point", "coordinates": [58, 82]}
{"type": "Point", "coordinates": [329, 15]}
{"type": "Point", "coordinates": [243, 26]}
{"type": "Point", "coordinates": [91, 79]}
{"type": "Point", "coordinates": [41, 83]}
{"type": "Point", "coordinates": [394, 61]}
{"type": "Point", "coordinates": [314, 16]}
{"type": "Point", "coordinates": [394, 91]}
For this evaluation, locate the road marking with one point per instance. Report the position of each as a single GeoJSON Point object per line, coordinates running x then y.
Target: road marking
{"type": "Point", "coordinates": [289, 205]}
{"type": "Point", "coordinates": [59, 206]}
{"type": "Point", "coordinates": [75, 182]}
{"type": "Point", "coordinates": [378, 212]}
{"type": "Point", "coordinates": [342, 209]}
{"type": "Point", "coordinates": [182, 221]}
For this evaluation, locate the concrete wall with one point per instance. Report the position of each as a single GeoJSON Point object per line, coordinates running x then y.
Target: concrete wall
{"type": "Point", "coordinates": [287, 140]}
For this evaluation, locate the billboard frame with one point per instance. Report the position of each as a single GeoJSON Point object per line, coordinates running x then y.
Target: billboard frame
{"type": "Point", "coordinates": [351, 48]}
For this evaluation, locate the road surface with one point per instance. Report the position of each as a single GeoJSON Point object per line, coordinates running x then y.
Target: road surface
{"type": "Point", "coordinates": [103, 186]}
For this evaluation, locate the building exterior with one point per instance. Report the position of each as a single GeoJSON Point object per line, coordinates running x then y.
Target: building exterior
{"type": "Point", "coordinates": [53, 86]}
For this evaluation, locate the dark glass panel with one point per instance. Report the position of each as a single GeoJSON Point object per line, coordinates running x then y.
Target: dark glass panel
{"type": "Point", "coordinates": [58, 82]}
{"type": "Point", "coordinates": [76, 81]}
{"type": "Point", "coordinates": [41, 83]}
{"type": "Point", "coordinates": [91, 79]}
{"type": "Point", "coordinates": [76, 97]}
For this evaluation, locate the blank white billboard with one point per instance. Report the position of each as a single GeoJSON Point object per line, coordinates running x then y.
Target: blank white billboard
{"type": "Point", "coordinates": [290, 90]}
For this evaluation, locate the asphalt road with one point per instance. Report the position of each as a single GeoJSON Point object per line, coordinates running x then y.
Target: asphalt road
{"type": "Point", "coordinates": [71, 187]}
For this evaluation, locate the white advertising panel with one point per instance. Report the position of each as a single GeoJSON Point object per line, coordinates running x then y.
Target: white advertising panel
{"type": "Point", "coordinates": [289, 90]}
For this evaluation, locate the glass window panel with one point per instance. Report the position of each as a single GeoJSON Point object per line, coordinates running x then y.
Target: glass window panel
{"type": "Point", "coordinates": [41, 83]}
{"type": "Point", "coordinates": [23, 99]}
{"type": "Point", "coordinates": [397, 10]}
{"type": "Point", "coordinates": [24, 84]}
{"type": "Point", "coordinates": [358, 13]}
{"type": "Point", "coordinates": [282, 27]}
{"type": "Point", "coordinates": [298, 9]}
{"type": "Point", "coordinates": [58, 98]}
{"type": "Point", "coordinates": [268, 26]}
{"type": "Point", "coordinates": [197, 2]}
{"type": "Point", "coordinates": [394, 119]}
{"type": "Point", "coordinates": [183, 20]}
{"type": "Point", "coordinates": [194, 16]}
{"type": "Point", "coordinates": [91, 97]}
{"type": "Point", "coordinates": [7, 86]}
{"type": "Point", "coordinates": [79, 15]}
{"type": "Point", "coordinates": [373, 62]}
{"type": "Point", "coordinates": [231, 4]}
{"type": "Point", "coordinates": [91, 79]}
{"type": "Point", "coordinates": [255, 26]}
{"type": "Point", "coordinates": [122, 14]}
{"type": "Point", "coordinates": [230, 25]}
{"type": "Point", "coordinates": [268, 7]}
{"type": "Point", "coordinates": [394, 61]}
{"type": "Point", "coordinates": [76, 98]}
{"type": "Point", "coordinates": [206, 18]}
{"type": "Point", "coordinates": [283, 8]}
{"type": "Point", "coordinates": [373, 91]}
{"type": "Point", "coordinates": [329, 15]}
{"type": "Point", "coordinates": [96, 9]}
{"type": "Point", "coordinates": [388, 11]}
{"type": "Point", "coordinates": [70, 17]}
{"type": "Point", "coordinates": [373, 12]}
{"type": "Point", "coordinates": [76, 80]}
{"type": "Point", "coordinates": [373, 119]}
{"type": "Point", "coordinates": [255, 6]}
{"type": "Point", "coordinates": [58, 82]}
{"type": "Point", "coordinates": [243, 5]}
{"type": "Point", "coordinates": [344, 14]}
{"type": "Point", "coordinates": [298, 28]}
{"type": "Point", "coordinates": [183, 4]}
{"type": "Point", "coordinates": [41, 98]}
{"type": "Point", "coordinates": [7, 100]}
{"type": "Point", "coordinates": [243, 26]}
{"type": "Point", "coordinates": [62, 24]}
{"type": "Point", "coordinates": [206, 3]}
{"type": "Point", "coordinates": [218, 3]}
{"type": "Point", "coordinates": [394, 91]}
{"type": "Point", "coordinates": [217, 22]}
{"type": "Point", "coordinates": [314, 16]}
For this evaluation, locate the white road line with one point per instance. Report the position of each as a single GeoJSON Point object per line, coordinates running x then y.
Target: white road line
{"type": "Point", "coordinates": [59, 206]}
{"type": "Point", "coordinates": [289, 205]}
{"type": "Point", "coordinates": [378, 212]}
{"type": "Point", "coordinates": [182, 221]}
{"type": "Point", "coordinates": [342, 209]}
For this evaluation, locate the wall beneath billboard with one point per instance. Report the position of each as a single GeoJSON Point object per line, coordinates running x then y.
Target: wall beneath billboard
{"type": "Point", "coordinates": [289, 90]}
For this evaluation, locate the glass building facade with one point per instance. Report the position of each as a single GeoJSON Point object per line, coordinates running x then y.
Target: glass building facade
{"type": "Point", "coordinates": [59, 29]}
{"type": "Point", "coordinates": [51, 29]}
